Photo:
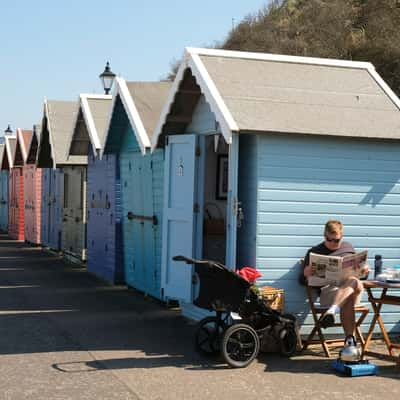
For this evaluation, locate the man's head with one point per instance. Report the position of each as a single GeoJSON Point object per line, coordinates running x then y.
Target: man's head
{"type": "Point", "coordinates": [333, 234]}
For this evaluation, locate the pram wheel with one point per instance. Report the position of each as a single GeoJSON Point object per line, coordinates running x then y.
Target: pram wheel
{"type": "Point", "coordinates": [240, 345]}
{"type": "Point", "coordinates": [288, 341]}
{"type": "Point", "coordinates": [208, 335]}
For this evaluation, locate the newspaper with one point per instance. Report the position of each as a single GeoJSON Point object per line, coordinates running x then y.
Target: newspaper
{"type": "Point", "coordinates": [334, 270]}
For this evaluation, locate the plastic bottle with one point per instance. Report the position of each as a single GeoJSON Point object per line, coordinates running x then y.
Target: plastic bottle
{"type": "Point", "coordinates": [377, 265]}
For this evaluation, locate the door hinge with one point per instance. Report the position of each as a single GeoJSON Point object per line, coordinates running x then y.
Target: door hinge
{"type": "Point", "coordinates": [196, 207]}
{"type": "Point", "coordinates": [198, 151]}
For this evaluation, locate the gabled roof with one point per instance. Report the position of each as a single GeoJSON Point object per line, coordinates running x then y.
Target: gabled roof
{"type": "Point", "coordinates": [254, 92]}
{"type": "Point", "coordinates": [8, 157]}
{"type": "Point", "coordinates": [33, 145]}
{"type": "Point", "coordinates": [90, 123]}
{"type": "Point", "coordinates": [24, 138]}
{"type": "Point", "coordinates": [58, 118]}
{"type": "Point", "coordinates": [143, 102]}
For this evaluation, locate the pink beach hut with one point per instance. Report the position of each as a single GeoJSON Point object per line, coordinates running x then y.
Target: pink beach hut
{"type": "Point", "coordinates": [33, 187]}
{"type": "Point", "coordinates": [16, 227]}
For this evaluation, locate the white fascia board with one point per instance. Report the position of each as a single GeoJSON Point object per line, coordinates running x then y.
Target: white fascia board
{"type": "Point", "coordinates": [109, 118]}
{"type": "Point", "coordinates": [90, 126]}
{"type": "Point", "coordinates": [133, 116]}
{"type": "Point", "coordinates": [18, 143]}
{"type": "Point", "coordinates": [385, 87]}
{"type": "Point", "coordinates": [170, 100]}
{"type": "Point", "coordinates": [71, 132]}
{"type": "Point", "coordinates": [46, 113]}
{"type": "Point", "coordinates": [9, 153]}
{"type": "Point", "coordinates": [213, 98]}
{"type": "Point", "coordinates": [280, 58]}
{"type": "Point", "coordinates": [208, 89]}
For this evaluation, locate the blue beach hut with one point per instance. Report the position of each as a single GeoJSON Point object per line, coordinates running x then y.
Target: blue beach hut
{"type": "Point", "coordinates": [103, 197]}
{"type": "Point", "coordinates": [279, 144]}
{"type": "Point", "coordinates": [135, 109]}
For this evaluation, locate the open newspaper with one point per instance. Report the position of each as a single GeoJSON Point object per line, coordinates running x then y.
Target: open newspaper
{"type": "Point", "coordinates": [333, 269]}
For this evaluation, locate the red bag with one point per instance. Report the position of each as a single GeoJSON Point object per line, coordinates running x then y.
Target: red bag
{"type": "Point", "coordinates": [249, 273]}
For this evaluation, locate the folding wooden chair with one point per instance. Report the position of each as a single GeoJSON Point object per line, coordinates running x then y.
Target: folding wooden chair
{"type": "Point", "coordinates": [317, 311]}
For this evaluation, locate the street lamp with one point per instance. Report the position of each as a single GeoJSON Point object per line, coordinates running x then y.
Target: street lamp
{"type": "Point", "coordinates": [8, 131]}
{"type": "Point", "coordinates": [107, 78]}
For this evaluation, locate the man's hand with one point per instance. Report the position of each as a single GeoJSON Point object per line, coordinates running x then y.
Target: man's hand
{"type": "Point", "coordinates": [307, 271]}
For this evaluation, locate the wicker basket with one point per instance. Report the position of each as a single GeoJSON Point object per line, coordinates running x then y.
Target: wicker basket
{"type": "Point", "coordinates": [273, 297]}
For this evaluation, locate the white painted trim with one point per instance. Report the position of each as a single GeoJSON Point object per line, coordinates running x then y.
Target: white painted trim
{"type": "Point", "coordinates": [8, 150]}
{"type": "Point", "coordinates": [169, 101]}
{"type": "Point", "coordinates": [121, 89]}
{"type": "Point", "coordinates": [96, 96]}
{"type": "Point", "coordinates": [279, 58]}
{"type": "Point", "coordinates": [385, 87]}
{"type": "Point", "coordinates": [133, 116]}
{"type": "Point", "coordinates": [20, 142]}
{"type": "Point", "coordinates": [210, 91]}
{"type": "Point", "coordinates": [91, 127]}
{"type": "Point", "coordinates": [217, 104]}
{"type": "Point", "coordinates": [71, 133]}
{"type": "Point", "coordinates": [53, 156]}
{"type": "Point", "coordinates": [109, 119]}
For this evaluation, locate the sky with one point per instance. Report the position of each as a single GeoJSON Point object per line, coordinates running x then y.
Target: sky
{"type": "Point", "coordinates": [57, 48]}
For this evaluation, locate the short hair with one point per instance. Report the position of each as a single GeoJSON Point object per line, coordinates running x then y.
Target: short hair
{"type": "Point", "coordinates": [333, 226]}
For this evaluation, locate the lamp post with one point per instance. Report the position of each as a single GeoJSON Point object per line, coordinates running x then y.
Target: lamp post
{"type": "Point", "coordinates": [8, 131]}
{"type": "Point", "coordinates": [107, 78]}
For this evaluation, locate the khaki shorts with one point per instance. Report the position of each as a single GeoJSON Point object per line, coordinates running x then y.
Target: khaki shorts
{"type": "Point", "coordinates": [328, 294]}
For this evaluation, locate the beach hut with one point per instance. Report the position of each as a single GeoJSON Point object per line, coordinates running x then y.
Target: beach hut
{"type": "Point", "coordinates": [279, 145]}
{"type": "Point", "coordinates": [63, 182]}
{"type": "Point", "coordinates": [135, 109]}
{"type": "Point", "coordinates": [33, 190]}
{"type": "Point", "coordinates": [16, 223]}
{"type": "Point", "coordinates": [6, 164]}
{"type": "Point", "coordinates": [3, 193]}
{"type": "Point", "coordinates": [103, 199]}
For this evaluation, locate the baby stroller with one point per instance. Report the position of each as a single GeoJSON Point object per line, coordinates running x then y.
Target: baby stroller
{"type": "Point", "coordinates": [228, 294]}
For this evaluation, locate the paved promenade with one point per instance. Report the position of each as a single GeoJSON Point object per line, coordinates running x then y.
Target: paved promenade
{"type": "Point", "coordinates": [66, 335]}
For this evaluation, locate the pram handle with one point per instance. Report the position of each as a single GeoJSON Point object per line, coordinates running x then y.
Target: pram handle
{"type": "Point", "coordinates": [189, 260]}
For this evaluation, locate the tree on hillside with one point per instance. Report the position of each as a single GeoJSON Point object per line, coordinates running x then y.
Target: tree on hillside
{"type": "Point", "coordinates": [363, 30]}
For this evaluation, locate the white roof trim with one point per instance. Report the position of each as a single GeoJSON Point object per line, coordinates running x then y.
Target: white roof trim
{"type": "Point", "coordinates": [133, 115]}
{"type": "Point", "coordinates": [210, 91]}
{"type": "Point", "coordinates": [71, 134]}
{"type": "Point", "coordinates": [20, 141]}
{"type": "Point", "coordinates": [88, 116]}
{"type": "Point", "coordinates": [46, 113]}
{"type": "Point", "coordinates": [8, 149]}
{"type": "Point", "coordinates": [385, 88]}
{"type": "Point", "coordinates": [280, 58]}
{"type": "Point", "coordinates": [122, 90]}
{"type": "Point", "coordinates": [170, 99]}
{"type": "Point", "coordinates": [208, 88]}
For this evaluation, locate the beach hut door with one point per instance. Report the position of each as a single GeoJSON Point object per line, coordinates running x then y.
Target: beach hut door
{"type": "Point", "coordinates": [178, 217]}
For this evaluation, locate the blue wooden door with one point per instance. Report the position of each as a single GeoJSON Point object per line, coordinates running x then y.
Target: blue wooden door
{"type": "Point", "coordinates": [178, 216]}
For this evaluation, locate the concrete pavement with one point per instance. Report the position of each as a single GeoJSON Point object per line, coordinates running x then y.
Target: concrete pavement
{"type": "Point", "coordinates": [66, 335]}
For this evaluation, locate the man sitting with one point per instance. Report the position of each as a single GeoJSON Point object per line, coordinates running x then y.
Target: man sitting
{"type": "Point", "coordinates": [340, 299]}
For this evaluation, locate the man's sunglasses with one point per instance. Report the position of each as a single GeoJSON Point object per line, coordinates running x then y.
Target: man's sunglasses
{"type": "Point", "coordinates": [333, 240]}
